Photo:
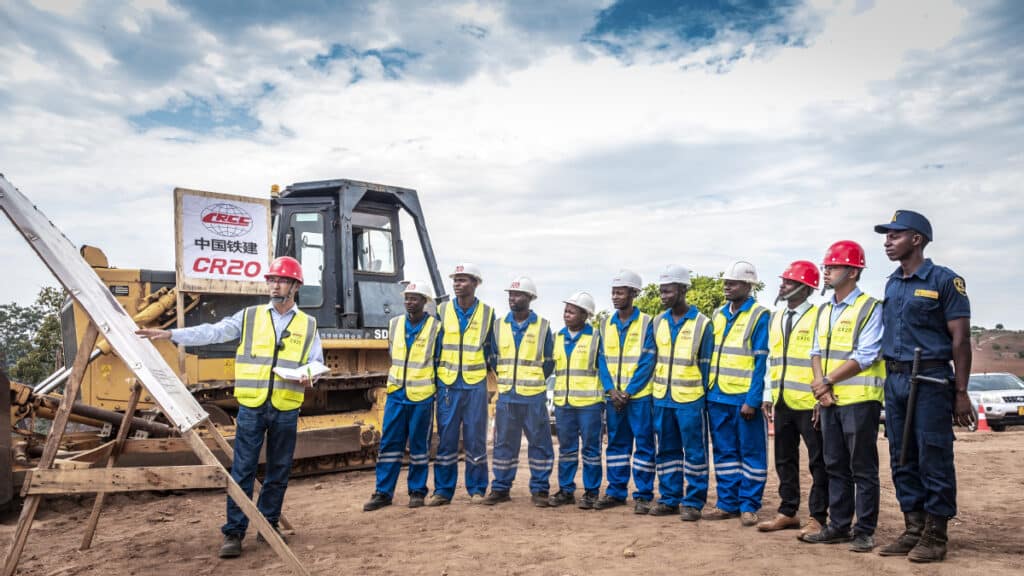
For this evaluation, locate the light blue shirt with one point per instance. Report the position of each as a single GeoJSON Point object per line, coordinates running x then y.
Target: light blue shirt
{"type": "Point", "coordinates": [869, 341]}
{"type": "Point", "coordinates": [230, 328]}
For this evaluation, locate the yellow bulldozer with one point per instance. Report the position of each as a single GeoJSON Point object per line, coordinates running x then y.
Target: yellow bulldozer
{"type": "Point", "coordinates": [346, 235]}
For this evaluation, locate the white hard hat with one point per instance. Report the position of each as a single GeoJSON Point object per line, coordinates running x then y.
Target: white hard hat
{"type": "Point", "coordinates": [742, 272]}
{"type": "Point", "coordinates": [523, 284]}
{"type": "Point", "coordinates": [674, 274]}
{"type": "Point", "coordinates": [418, 287]}
{"type": "Point", "coordinates": [469, 269]}
{"type": "Point", "coordinates": [629, 279]}
{"type": "Point", "coordinates": [583, 300]}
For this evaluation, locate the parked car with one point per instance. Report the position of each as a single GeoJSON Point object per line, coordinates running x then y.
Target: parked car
{"type": "Point", "coordinates": [1002, 395]}
{"type": "Point", "coordinates": [551, 403]}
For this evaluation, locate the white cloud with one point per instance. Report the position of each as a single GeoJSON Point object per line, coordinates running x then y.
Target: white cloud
{"type": "Point", "coordinates": [572, 163]}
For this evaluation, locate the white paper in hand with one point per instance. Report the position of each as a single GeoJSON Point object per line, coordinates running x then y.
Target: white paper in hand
{"type": "Point", "coordinates": [313, 369]}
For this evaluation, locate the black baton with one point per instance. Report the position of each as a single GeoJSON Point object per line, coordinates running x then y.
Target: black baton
{"type": "Point", "coordinates": [908, 424]}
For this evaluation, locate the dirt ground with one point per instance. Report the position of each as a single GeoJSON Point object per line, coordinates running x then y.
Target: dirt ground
{"type": "Point", "coordinates": [179, 534]}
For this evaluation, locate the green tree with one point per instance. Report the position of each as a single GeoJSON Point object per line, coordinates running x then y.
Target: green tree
{"type": "Point", "coordinates": [597, 319]}
{"type": "Point", "coordinates": [999, 326]}
{"type": "Point", "coordinates": [706, 293]}
{"type": "Point", "coordinates": [35, 335]}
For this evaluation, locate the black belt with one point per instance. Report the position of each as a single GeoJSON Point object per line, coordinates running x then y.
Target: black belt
{"type": "Point", "coordinates": [897, 367]}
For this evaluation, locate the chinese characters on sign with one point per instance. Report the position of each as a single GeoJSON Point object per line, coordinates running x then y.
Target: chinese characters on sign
{"type": "Point", "coordinates": [223, 241]}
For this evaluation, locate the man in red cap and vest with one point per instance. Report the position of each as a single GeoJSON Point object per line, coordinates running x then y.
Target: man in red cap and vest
{"type": "Point", "coordinates": [848, 380]}
{"type": "Point", "coordinates": [790, 339]}
{"type": "Point", "coordinates": [271, 335]}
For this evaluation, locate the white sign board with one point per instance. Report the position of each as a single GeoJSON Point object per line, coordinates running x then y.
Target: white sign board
{"type": "Point", "coordinates": [82, 283]}
{"type": "Point", "coordinates": [222, 242]}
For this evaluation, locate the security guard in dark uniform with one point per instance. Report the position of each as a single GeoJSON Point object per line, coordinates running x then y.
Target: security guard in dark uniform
{"type": "Point", "coordinates": [925, 307]}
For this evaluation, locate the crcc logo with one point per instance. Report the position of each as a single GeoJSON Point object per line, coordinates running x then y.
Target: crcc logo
{"type": "Point", "coordinates": [226, 220]}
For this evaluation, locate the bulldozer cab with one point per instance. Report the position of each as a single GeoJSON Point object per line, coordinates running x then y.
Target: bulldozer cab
{"type": "Point", "coordinates": [347, 237]}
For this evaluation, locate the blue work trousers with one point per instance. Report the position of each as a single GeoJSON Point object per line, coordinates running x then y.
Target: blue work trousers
{"type": "Point", "coordinates": [850, 436]}
{"type": "Point", "coordinates": [405, 424]}
{"type": "Point", "coordinates": [928, 481]}
{"type": "Point", "coordinates": [634, 425]}
{"type": "Point", "coordinates": [682, 452]}
{"type": "Point", "coordinates": [461, 412]}
{"type": "Point", "coordinates": [511, 421]}
{"type": "Point", "coordinates": [574, 423]}
{"type": "Point", "coordinates": [252, 425]}
{"type": "Point", "coordinates": [741, 457]}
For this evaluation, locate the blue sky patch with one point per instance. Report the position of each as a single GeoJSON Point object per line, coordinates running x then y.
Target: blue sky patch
{"type": "Point", "coordinates": [201, 116]}
{"type": "Point", "coordinates": [392, 60]}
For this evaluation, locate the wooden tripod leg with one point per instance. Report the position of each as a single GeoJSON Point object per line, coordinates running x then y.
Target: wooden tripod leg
{"type": "Point", "coordinates": [115, 452]}
{"type": "Point", "coordinates": [222, 443]}
{"type": "Point", "coordinates": [60, 422]}
{"type": "Point", "coordinates": [206, 456]}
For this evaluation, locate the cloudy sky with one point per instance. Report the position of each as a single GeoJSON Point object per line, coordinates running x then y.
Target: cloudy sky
{"type": "Point", "coordinates": [562, 140]}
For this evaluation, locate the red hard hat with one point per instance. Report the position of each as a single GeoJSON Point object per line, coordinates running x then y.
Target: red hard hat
{"type": "Point", "coordinates": [845, 253]}
{"type": "Point", "coordinates": [285, 267]}
{"type": "Point", "coordinates": [804, 272]}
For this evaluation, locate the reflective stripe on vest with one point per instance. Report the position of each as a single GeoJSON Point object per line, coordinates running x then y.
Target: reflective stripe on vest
{"type": "Point", "coordinates": [797, 369]}
{"type": "Point", "coordinates": [463, 351]}
{"type": "Point", "coordinates": [521, 367]}
{"type": "Point", "coordinates": [678, 366]}
{"type": "Point", "coordinates": [622, 360]}
{"type": "Point", "coordinates": [256, 354]}
{"type": "Point", "coordinates": [412, 367]}
{"type": "Point", "coordinates": [837, 342]}
{"type": "Point", "coordinates": [576, 381]}
{"type": "Point", "coordinates": [733, 357]}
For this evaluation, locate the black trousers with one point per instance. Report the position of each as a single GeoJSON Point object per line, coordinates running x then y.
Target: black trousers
{"type": "Point", "coordinates": [850, 435]}
{"type": "Point", "coordinates": [790, 426]}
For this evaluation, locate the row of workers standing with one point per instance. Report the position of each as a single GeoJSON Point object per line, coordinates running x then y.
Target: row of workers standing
{"type": "Point", "coordinates": [669, 384]}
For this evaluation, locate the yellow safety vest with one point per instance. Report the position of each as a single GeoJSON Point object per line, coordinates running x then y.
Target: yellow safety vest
{"type": "Point", "coordinates": [256, 354]}
{"type": "Point", "coordinates": [797, 358]}
{"type": "Point", "coordinates": [623, 359]}
{"type": "Point", "coordinates": [464, 351]}
{"type": "Point", "coordinates": [412, 367]}
{"type": "Point", "coordinates": [576, 381]}
{"type": "Point", "coordinates": [678, 364]}
{"type": "Point", "coordinates": [522, 367]}
{"type": "Point", "coordinates": [733, 358]}
{"type": "Point", "coordinates": [837, 342]}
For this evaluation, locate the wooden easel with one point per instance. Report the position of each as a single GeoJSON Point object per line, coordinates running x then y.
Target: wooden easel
{"type": "Point", "coordinates": [171, 395]}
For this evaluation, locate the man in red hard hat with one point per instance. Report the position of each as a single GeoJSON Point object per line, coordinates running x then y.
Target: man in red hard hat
{"type": "Point", "coordinates": [278, 335]}
{"type": "Point", "coordinates": [790, 338]}
{"type": "Point", "coordinates": [848, 380]}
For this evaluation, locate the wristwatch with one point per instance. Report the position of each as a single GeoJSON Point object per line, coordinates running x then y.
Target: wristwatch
{"type": "Point", "coordinates": [826, 380]}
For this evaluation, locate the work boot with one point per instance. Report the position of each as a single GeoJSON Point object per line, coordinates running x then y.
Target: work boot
{"type": "Point", "coordinates": [827, 535]}
{"type": "Point", "coordinates": [662, 509]}
{"type": "Point", "coordinates": [438, 500]}
{"type": "Point", "coordinates": [689, 514]}
{"type": "Point", "coordinates": [588, 500]}
{"type": "Point", "coordinates": [496, 497]}
{"type": "Point", "coordinates": [606, 502]}
{"type": "Point", "coordinates": [811, 527]}
{"type": "Point", "coordinates": [780, 522]}
{"type": "Point", "coordinates": [748, 518]}
{"type": "Point", "coordinates": [232, 546]}
{"type": "Point", "coordinates": [415, 500]}
{"type": "Point", "coordinates": [932, 545]}
{"type": "Point", "coordinates": [914, 522]}
{"type": "Point", "coordinates": [862, 543]}
{"type": "Point", "coordinates": [719, 514]}
{"type": "Point", "coordinates": [377, 501]}
{"type": "Point", "coordinates": [561, 498]}
{"type": "Point", "coordinates": [642, 507]}
{"type": "Point", "coordinates": [540, 500]}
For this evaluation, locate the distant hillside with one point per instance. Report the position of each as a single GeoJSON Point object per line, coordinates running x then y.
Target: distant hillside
{"type": "Point", "coordinates": [998, 351]}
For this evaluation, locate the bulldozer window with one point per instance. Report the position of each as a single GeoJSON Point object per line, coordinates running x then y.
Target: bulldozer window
{"type": "Point", "coordinates": [308, 229]}
{"type": "Point", "coordinates": [371, 235]}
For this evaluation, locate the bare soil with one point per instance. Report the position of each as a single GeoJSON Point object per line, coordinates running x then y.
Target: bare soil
{"type": "Point", "coordinates": [179, 533]}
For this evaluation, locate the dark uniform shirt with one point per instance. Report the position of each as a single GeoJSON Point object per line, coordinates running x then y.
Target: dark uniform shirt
{"type": "Point", "coordinates": [916, 310]}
